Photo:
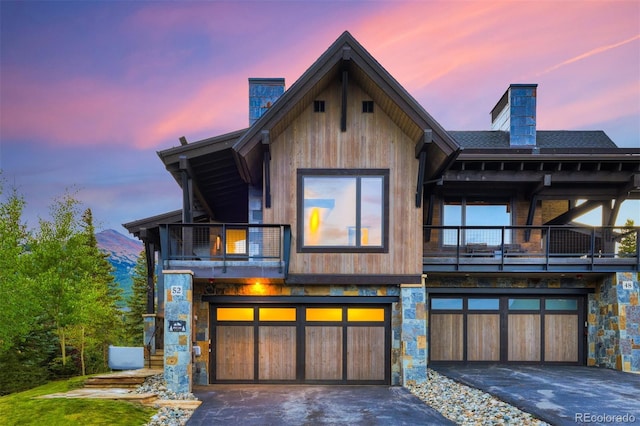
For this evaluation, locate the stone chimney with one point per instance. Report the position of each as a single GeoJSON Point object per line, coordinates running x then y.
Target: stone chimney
{"type": "Point", "coordinates": [515, 113]}
{"type": "Point", "coordinates": [263, 92]}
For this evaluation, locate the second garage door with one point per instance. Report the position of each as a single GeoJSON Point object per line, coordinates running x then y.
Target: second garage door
{"type": "Point", "coordinates": [300, 344]}
{"type": "Point", "coordinates": [541, 329]}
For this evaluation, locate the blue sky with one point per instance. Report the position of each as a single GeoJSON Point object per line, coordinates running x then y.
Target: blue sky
{"type": "Point", "coordinates": [89, 91]}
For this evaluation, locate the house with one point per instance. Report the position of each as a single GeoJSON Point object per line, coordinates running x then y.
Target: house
{"type": "Point", "coordinates": [345, 237]}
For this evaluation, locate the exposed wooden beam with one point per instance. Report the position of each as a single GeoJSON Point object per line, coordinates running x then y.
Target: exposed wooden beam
{"type": "Point", "coordinates": [343, 109]}
{"type": "Point", "coordinates": [532, 176]}
{"type": "Point", "coordinates": [421, 154]}
{"type": "Point", "coordinates": [575, 212]}
{"type": "Point", "coordinates": [267, 168]}
{"type": "Point", "coordinates": [149, 251]}
{"type": "Point", "coordinates": [186, 190]}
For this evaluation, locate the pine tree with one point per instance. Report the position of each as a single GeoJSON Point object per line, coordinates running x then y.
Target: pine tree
{"type": "Point", "coordinates": [104, 323]}
{"type": "Point", "coordinates": [137, 303]}
{"type": "Point", "coordinates": [629, 242]}
{"type": "Point", "coordinates": [20, 312]}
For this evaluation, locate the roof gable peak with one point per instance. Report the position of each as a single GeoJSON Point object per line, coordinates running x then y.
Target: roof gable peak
{"type": "Point", "coordinates": [344, 54]}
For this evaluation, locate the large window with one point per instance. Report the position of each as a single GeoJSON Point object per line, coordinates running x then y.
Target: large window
{"type": "Point", "coordinates": [342, 210]}
{"type": "Point", "coordinates": [476, 214]}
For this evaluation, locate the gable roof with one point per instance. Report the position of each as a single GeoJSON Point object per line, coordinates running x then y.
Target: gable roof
{"type": "Point", "coordinates": [345, 54]}
{"type": "Point", "coordinates": [218, 188]}
{"type": "Point", "coordinates": [545, 139]}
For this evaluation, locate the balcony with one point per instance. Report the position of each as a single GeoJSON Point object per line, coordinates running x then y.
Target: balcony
{"type": "Point", "coordinates": [233, 252]}
{"type": "Point", "coordinates": [562, 249]}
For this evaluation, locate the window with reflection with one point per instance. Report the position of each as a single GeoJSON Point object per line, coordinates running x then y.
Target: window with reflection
{"type": "Point", "coordinates": [342, 210]}
{"type": "Point", "coordinates": [442, 304]}
{"type": "Point", "coordinates": [474, 214]}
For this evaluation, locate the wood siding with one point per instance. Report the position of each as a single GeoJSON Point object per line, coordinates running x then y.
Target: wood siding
{"type": "Point", "coordinates": [277, 353]}
{"type": "Point", "coordinates": [524, 337]}
{"type": "Point", "coordinates": [365, 353]}
{"type": "Point", "coordinates": [483, 337]}
{"type": "Point", "coordinates": [323, 353]}
{"type": "Point", "coordinates": [372, 140]}
{"type": "Point", "coordinates": [234, 353]}
{"type": "Point", "coordinates": [559, 338]}
{"type": "Point", "coordinates": [447, 337]}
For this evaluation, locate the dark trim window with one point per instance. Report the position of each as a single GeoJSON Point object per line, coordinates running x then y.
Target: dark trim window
{"type": "Point", "coordinates": [343, 210]}
{"type": "Point", "coordinates": [474, 214]}
{"type": "Point", "coordinates": [367, 106]}
{"type": "Point", "coordinates": [318, 106]}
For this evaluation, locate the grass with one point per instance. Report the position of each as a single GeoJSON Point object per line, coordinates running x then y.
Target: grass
{"type": "Point", "coordinates": [24, 408]}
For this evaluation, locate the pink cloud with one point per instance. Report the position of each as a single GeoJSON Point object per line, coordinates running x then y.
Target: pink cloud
{"type": "Point", "coordinates": [456, 58]}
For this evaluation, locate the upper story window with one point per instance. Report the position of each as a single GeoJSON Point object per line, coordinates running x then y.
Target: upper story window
{"type": "Point", "coordinates": [474, 214]}
{"type": "Point", "coordinates": [343, 210]}
{"type": "Point", "coordinates": [318, 106]}
{"type": "Point", "coordinates": [367, 106]}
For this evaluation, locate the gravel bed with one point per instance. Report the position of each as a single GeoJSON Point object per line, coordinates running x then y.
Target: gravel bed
{"type": "Point", "coordinates": [469, 406]}
{"type": "Point", "coordinates": [166, 416]}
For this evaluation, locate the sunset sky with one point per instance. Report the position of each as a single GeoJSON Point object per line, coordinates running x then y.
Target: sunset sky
{"type": "Point", "coordinates": [89, 91]}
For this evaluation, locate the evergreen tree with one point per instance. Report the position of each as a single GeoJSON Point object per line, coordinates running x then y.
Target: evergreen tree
{"type": "Point", "coordinates": [629, 242]}
{"type": "Point", "coordinates": [20, 306]}
{"type": "Point", "coordinates": [102, 323]}
{"type": "Point", "coordinates": [137, 303]}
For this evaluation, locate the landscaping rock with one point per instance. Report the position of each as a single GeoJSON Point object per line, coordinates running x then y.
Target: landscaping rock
{"type": "Point", "coordinates": [166, 416]}
{"type": "Point", "coordinates": [469, 406]}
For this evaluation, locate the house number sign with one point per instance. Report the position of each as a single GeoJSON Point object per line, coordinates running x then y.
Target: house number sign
{"type": "Point", "coordinates": [176, 290]}
{"type": "Point", "coordinates": [627, 285]}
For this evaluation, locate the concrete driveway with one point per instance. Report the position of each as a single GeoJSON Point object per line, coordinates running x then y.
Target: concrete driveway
{"type": "Point", "coordinates": [311, 405]}
{"type": "Point", "coordinates": [560, 395]}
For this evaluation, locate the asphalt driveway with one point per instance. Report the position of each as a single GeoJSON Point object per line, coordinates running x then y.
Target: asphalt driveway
{"type": "Point", "coordinates": [560, 395]}
{"type": "Point", "coordinates": [311, 405]}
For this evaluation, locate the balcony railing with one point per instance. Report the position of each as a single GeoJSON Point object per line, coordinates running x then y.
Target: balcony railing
{"type": "Point", "coordinates": [529, 249]}
{"type": "Point", "coordinates": [233, 251]}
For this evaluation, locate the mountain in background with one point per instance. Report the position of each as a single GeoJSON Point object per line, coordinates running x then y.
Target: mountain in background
{"type": "Point", "coordinates": [123, 255]}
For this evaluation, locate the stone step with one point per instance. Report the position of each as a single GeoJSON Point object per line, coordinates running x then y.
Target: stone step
{"type": "Point", "coordinates": [113, 382]}
{"type": "Point", "coordinates": [122, 379]}
{"type": "Point", "coordinates": [110, 386]}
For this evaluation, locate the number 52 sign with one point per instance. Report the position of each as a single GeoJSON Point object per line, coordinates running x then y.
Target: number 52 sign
{"type": "Point", "coordinates": [176, 290]}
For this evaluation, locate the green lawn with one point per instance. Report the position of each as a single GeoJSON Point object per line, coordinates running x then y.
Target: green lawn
{"type": "Point", "coordinates": [24, 409]}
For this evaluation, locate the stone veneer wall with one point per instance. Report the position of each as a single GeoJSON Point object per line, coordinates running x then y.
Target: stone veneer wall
{"type": "Point", "coordinates": [178, 341]}
{"type": "Point", "coordinates": [614, 323]}
{"type": "Point", "coordinates": [414, 334]}
{"type": "Point", "coordinates": [408, 320]}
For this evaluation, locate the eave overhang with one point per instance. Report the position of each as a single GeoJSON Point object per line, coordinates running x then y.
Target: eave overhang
{"type": "Point", "coordinates": [217, 187]}
{"type": "Point", "coordinates": [595, 174]}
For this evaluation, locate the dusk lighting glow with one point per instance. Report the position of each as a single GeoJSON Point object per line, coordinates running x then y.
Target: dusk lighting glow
{"type": "Point", "coordinates": [89, 91]}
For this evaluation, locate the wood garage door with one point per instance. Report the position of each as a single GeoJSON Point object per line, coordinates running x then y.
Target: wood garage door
{"type": "Point", "coordinates": [540, 329]}
{"type": "Point", "coordinates": [300, 344]}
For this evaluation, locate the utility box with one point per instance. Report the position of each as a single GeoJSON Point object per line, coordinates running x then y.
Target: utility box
{"type": "Point", "coordinates": [126, 358]}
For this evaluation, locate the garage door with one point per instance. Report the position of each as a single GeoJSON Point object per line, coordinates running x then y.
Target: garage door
{"type": "Point", "coordinates": [300, 344]}
{"type": "Point", "coordinates": [541, 329]}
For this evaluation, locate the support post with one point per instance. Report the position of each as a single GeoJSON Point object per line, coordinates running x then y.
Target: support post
{"type": "Point", "coordinates": [178, 332]}
{"type": "Point", "coordinates": [414, 334]}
